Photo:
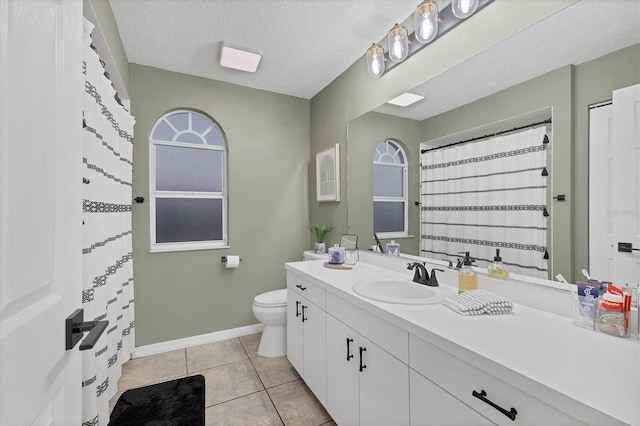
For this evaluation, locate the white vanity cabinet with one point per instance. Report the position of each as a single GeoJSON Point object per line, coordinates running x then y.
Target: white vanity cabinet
{"type": "Point", "coordinates": [430, 405]}
{"type": "Point", "coordinates": [306, 333]}
{"type": "Point", "coordinates": [365, 384]}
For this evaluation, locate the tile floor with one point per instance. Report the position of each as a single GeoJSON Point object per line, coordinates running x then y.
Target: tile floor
{"type": "Point", "coordinates": [242, 388]}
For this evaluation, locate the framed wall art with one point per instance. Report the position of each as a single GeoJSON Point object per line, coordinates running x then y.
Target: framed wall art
{"type": "Point", "coordinates": [328, 174]}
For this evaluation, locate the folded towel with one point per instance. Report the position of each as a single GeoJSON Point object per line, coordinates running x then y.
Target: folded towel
{"type": "Point", "coordinates": [477, 302]}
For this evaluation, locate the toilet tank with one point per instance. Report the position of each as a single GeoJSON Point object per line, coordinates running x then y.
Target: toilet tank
{"type": "Point", "coordinates": [311, 255]}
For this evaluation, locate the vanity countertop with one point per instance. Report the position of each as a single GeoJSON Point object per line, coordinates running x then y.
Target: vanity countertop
{"type": "Point", "coordinates": [543, 352]}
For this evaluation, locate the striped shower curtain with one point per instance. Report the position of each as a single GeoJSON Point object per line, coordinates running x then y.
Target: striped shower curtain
{"type": "Point", "coordinates": [107, 292]}
{"type": "Point", "coordinates": [487, 195]}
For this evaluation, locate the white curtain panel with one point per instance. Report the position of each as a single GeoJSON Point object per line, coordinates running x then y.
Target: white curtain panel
{"type": "Point", "coordinates": [107, 253]}
{"type": "Point", "coordinates": [487, 195]}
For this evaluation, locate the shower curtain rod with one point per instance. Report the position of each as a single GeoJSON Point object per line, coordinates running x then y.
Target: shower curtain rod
{"type": "Point", "coordinates": [488, 136]}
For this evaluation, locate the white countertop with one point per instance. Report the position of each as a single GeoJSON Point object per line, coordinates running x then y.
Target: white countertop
{"type": "Point", "coordinates": [559, 359]}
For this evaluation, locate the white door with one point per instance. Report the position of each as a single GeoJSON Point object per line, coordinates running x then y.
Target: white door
{"type": "Point", "coordinates": [614, 187]}
{"type": "Point", "coordinates": [342, 373]}
{"type": "Point", "coordinates": [40, 209]}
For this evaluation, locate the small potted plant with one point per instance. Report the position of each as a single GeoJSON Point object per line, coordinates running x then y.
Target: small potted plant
{"type": "Point", "coordinates": [320, 233]}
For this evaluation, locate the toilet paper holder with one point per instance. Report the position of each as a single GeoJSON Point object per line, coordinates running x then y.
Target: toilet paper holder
{"type": "Point", "coordinates": [223, 259]}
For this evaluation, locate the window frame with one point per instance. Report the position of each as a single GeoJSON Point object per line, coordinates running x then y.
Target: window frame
{"type": "Point", "coordinates": [154, 194]}
{"type": "Point", "coordinates": [404, 164]}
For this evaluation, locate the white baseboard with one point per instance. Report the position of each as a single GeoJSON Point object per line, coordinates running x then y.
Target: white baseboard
{"type": "Point", "coordinates": [171, 345]}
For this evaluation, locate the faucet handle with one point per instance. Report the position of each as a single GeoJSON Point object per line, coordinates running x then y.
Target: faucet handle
{"type": "Point", "coordinates": [433, 281]}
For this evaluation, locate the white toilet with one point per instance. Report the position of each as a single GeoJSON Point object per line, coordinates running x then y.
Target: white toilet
{"type": "Point", "coordinates": [270, 309]}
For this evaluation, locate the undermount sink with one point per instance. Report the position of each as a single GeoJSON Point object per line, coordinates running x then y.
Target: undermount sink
{"type": "Point", "coordinates": [400, 291]}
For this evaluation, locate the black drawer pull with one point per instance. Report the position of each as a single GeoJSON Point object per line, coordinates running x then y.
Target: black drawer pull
{"type": "Point", "coordinates": [349, 354]}
{"type": "Point", "coordinates": [303, 317]}
{"type": "Point", "coordinates": [362, 365]}
{"type": "Point", "coordinates": [301, 287]}
{"type": "Point", "coordinates": [297, 306]}
{"type": "Point", "coordinates": [482, 396]}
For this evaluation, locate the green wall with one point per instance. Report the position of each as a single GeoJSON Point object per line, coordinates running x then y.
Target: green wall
{"type": "Point", "coordinates": [181, 294]}
{"type": "Point", "coordinates": [365, 133]}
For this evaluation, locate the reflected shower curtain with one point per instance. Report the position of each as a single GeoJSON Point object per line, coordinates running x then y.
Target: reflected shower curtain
{"type": "Point", "coordinates": [107, 292]}
{"type": "Point", "coordinates": [487, 195]}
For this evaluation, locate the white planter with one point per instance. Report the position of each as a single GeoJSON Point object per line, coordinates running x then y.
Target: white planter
{"type": "Point", "coordinates": [319, 248]}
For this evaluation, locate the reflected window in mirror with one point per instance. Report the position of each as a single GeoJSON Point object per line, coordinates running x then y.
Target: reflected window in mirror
{"type": "Point", "coordinates": [390, 190]}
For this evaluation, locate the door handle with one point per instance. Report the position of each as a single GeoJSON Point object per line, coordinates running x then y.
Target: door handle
{"type": "Point", "coordinates": [626, 247]}
{"type": "Point", "coordinates": [362, 365]}
{"type": "Point", "coordinates": [349, 354]}
{"type": "Point", "coordinates": [301, 287]}
{"type": "Point", "coordinates": [297, 306]}
{"type": "Point", "coordinates": [303, 317]}
{"type": "Point", "coordinates": [482, 395]}
{"type": "Point", "coordinates": [75, 327]}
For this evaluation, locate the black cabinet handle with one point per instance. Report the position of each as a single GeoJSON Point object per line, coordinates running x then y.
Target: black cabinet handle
{"type": "Point", "coordinates": [362, 365]}
{"type": "Point", "coordinates": [482, 396]}
{"type": "Point", "coordinates": [297, 306]}
{"type": "Point", "coordinates": [303, 317]}
{"type": "Point", "coordinates": [349, 354]}
{"type": "Point", "coordinates": [301, 287]}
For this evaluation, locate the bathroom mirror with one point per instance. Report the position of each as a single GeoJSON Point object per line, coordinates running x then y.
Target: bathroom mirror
{"type": "Point", "coordinates": [349, 241]}
{"type": "Point", "coordinates": [498, 85]}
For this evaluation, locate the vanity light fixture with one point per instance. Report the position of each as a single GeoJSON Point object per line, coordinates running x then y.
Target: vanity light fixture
{"type": "Point", "coordinates": [464, 8]}
{"type": "Point", "coordinates": [426, 21]}
{"type": "Point", "coordinates": [405, 99]}
{"type": "Point", "coordinates": [398, 39]}
{"type": "Point", "coordinates": [239, 58]}
{"type": "Point", "coordinates": [375, 60]}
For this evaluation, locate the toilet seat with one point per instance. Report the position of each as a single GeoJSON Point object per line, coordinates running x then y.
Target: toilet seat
{"type": "Point", "coordinates": [271, 299]}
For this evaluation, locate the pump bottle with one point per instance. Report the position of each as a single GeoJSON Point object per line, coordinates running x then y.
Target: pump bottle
{"type": "Point", "coordinates": [467, 277]}
{"type": "Point", "coordinates": [497, 268]}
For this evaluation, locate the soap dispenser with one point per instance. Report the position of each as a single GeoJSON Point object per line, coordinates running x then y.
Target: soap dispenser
{"type": "Point", "coordinates": [467, 277]}
{"type": "Point", "coordinates": [497, 268]}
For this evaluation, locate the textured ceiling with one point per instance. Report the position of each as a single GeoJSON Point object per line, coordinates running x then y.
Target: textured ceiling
{"type": "Point", "coordinates": [308, 43]}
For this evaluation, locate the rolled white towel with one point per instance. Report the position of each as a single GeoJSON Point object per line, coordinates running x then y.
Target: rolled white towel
{"type": "Point", "coordinates": [477, 302]}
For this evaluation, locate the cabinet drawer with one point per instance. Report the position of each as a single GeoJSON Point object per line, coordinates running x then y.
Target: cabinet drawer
{"type": "Point", "coordinates": [460, 379]}
{"type": "Point", "coordinates": [389, 337]}
{"type": "Point", "coordinates": [312, 292]}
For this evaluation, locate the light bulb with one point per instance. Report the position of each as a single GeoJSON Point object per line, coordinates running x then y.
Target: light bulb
{"type": "Point", "coordinates": [375, 61]}
{"type": "Point", "coordinates": [398, 43]}
{"type": "Point", "coordinates": [426, 21]}
{"type": "Point", "coordinates": [464, 8]}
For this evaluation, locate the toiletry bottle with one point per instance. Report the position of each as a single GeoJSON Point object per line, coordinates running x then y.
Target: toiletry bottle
{"type": "Point", "coordinates": [497, 268]}
{"type": "Point", "coordinates": [393, 248]}
{"type": "Point", "coordinates": [467, 277]}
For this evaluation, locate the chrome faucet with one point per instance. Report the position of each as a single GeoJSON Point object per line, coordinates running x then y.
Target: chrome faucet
{"type": "Point", "coordinates": [421, 275]}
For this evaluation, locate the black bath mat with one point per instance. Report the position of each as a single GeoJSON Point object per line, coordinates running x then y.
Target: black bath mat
{"type": "Point", "coordinates": [173, 403]}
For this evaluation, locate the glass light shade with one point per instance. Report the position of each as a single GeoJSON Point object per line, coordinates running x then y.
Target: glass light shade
{"type": "Point", "coordinates": [375, 60]}
{"type": "Point", "coordinates": [398, 43]}
{"type": "Point", "coordinates": [464, 8]}
{"type": "Point", "coordinates": [426, 21]}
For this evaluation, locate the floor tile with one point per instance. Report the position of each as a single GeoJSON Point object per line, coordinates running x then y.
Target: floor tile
{"type": "Point", "coordinates": [251, 343]}
{"type": "Point", "coordinates": [230, 381]}
{"type": "Point", "coordinates": [153, 369]}
{"type": "Point", "coordinates": [274, 371]}
{"type": "Point", "coordinates": [214, 355]}
{"type": "Point", "coordinates": [297, 405]}
{"type": "Point", "coordinates": [254, 409]}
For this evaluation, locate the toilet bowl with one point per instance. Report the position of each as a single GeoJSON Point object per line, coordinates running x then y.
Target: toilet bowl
{"type": "Point", "coordinates": [270, 309]}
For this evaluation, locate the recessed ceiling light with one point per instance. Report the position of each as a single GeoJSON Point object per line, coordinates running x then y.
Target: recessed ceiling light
{"type": "Point", "coordinates": [405, 99]}
{"type": "Point", "coordinates": [239, 58]}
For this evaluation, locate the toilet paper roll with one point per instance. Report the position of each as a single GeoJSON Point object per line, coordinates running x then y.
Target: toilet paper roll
{"type": "Point", "coordinates": [232, 262]}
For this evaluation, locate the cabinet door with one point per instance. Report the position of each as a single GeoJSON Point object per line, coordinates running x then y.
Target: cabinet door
{"type": "Point", "coordinates": [294, 331]}
{"type": "Point", "coordinates": [384, 387]}
{"type": "Point", "coordinates": [431, 405]}
{"type": "Point", "coordinates": [315, 349]}
{"type": "Point", "coordinates": [342, 373]}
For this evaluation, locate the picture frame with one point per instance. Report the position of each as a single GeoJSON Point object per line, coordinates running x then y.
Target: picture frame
{"type": "Point", "coordinates": [328, 174]}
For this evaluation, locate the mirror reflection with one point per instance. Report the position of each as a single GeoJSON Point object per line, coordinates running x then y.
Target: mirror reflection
{"type": "Point", "coordinates": [494, 91]}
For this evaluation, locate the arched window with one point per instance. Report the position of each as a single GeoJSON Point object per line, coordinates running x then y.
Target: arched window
{"type": "Point", "coordinates": [188, 183]}
{"type": "Point", "coordinates": [390, 190]}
